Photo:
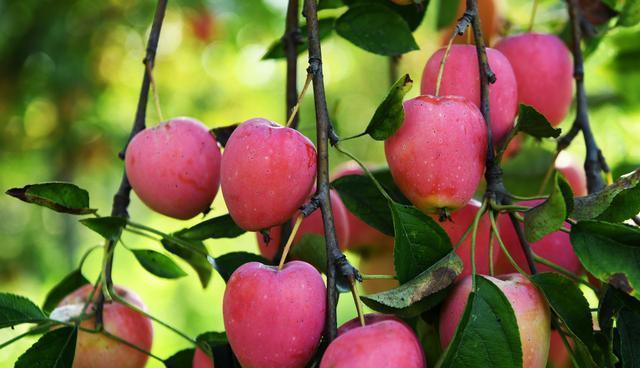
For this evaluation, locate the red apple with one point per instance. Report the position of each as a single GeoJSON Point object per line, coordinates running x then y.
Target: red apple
{"type": "Point", "coordinates": [573, 172]}
{"type": "Point", "coordinates": [437, 156]}
{"type": "Point", "coordinates": [99, 351]}
{"type": "Point", "coordinates": [544, 71]}
{"type": "Point", "coordinates": [174, 167]}
{"type": "Point", "coordinates": [513, 148]}
{"type": "Point", "coordinates": [558, 354]}
{"type": "Point", "coordinates": [461, 78]}
{"type": "Point", "coordinates": [385, 341]}
{"type": "Point", "coordinates": [378, 263]}
{"type": "Point", "coordinates": [529, 306]}
{"type": "Point", "coordinates": [310, 225]}
{"type": "Point", "coordinates": [202, 360]}
{"type": "Point", "coordinates": [267, 173]}
{"type": "Point", "coordinates": [274, 318]}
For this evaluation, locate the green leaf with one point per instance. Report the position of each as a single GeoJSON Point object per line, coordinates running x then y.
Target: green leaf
{"type": "Point", "coordinates": [181, 359]}
{"type": "Point", "coordinates": [390, 113]}
{"type": "Point", "coordinates": [615, 203]}
{"type": "Point", "coordinates": [384, 177]}
{"type": "Point", "coordinates": [196, 257]}
{"type": "Point", "coordinates": [329, 4]}
{"type": "Point", "coordinates": [215, 228]}
{"type": "Point", "coordinates": [58, 196]}
{"type": "Point", "coordinates": [66, 286]}
{"type": "Point", "coordinates": [363, 199]}
{"type": "Point", "coordinates": [416, 292]}
{"type": "Point", "coordinates": [548, 216]}
{"type": "Point", "coordinates": [158, 264]}
{"type": "Point", "coordinates": [413, 14]}
{"type": "Point", "coordinates": [277, 51]}
{"type": "Point", "coordinates": [630, 14]}
{"type": "Point", "coordinates": [610, 252]}
{"type": "Point", "coordinates": [628, 325]}
{"type": "Point", "coordinates": [533, 123]}
{"type": "Point", "coordinates": [447, 10]}
{"type": "Point", "coordinates": [219, 347]}
{"type": "Point", "coordinates": [55, 349]}
{"type": "Point", "coordinates": [312, 249]}
{"type": "Point", "coordinates": [16, 309]}
{"type": "Point", "coordinates": [377, 29]}
{"type": "Point", "coordinates": [213, 339]}
{"type": "Point", "coordinates": [109, 228]}
{"type": "Point", "coordinates": [567, 300]}
{"type": "Point", "coordinates": [487, 334]}
{"type": "Point", "coordinates": [226, 264]}
{"type": "Point", "coordinates": [419, 242]}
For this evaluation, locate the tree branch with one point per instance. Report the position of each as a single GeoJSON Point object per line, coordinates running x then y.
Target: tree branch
{"type": "Point", "coordinates": [335, 259]}
{"type": "Point", "coordinates": [121, 198]}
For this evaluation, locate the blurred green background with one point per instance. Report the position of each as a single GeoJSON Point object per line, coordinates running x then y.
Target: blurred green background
{"type": "Point", "coordinates": [70, 73]}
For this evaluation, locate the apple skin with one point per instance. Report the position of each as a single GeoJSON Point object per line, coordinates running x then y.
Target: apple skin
{"type": "Point", "coordinates": [558, 354]}
{"type": "Point", "coordinates": [555, 247]}
{"type": "Point", "coordinates": [174, 167]}
{"type": "Point", "coordinates": [202, 360]}
{"type": "Point", "coordinates": [437, 157]}
{"type": "Point", "coordinates": [312, 224]}
{"type": "Point", "coordinates": [267, 173]}
{"type": "Point", "coordinates": [274, 319]}
{"type": "Point", "coordinates": [99, 351]}
{"type": "Point", "coordinates": [530, 308]}
{"type": "Point", "coordinates": [461, 78]}
{"type": "Point", "coordinates": [378, 263]}
{"type": "Point", "coordinates": [544, 71]}
{"type": "Point", "coordinates": [573, 172]}
{"type": "Point", "coordinates": [361, 235]}
{"type": "Point", "coordinates": [455, 228]}
{"type": "Point", "coordinates": [384, 342]}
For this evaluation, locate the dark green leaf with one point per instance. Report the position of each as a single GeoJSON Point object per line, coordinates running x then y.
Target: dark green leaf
{"type": "Point", "coordinates": [109, 228]}
{"type": "Point", "coordinates": [390, 113]}
{"type": "Point", "coordinates": [213, 339]}
{"type": "Point", "coordinates": [413, 14]}
{"type": "Point", "coordinates": [196, 257]}
{"type": "Point", "coordinates": [628, 325]}
{"type": "Point", "coordinates": [630, 14]}
{"type": "Point", "coordinates": [276, 50]}
{"type": "Point", "coordinates": [362, 198]}
{"type": "Point", "coordinates": [329, 4]}
{"type": "Point", "coordinates": [524, 173]}
{"type": "Point", "coordinates": [60, 197]}
{"type": "Point", "coordinates": [533, 123]}
{"type": "Point", "coordinates": [419, 242]}
{"type": "Point", "coordinates": [16, 309]}
{"type": "Point", "coordinates": [158, 264]}
{"type": "Point", "coordinates": [610, 252]}
{"type": "Point", "coordinates": [426, 285]}
{"type": "Point", "coordinates": [223, 134]}
{"type": "Point", "coordinates": [70, 283]}
{"type": "Point", "coordinates": [377, 29]}
{"type": "Point", "coordinates": [383, 176]}
{"type": "Point", "coordinates": [218, 345]}
{"type": "Point", "coordinates": [567, 300]}
{"type": "Point", "coordinates": [215, 228]}
{"type": "Point", "coordinates": [487, 334]}
{"type": "Point", "coordinates": [227, 263]}
{"type": "Point", "coordinates": [615, 203]}
{"type": "Point", "coordinates": [447, 10]}
{"type": "Point", "coordinates": [312, 249]}
{"type": "Point", "coordinates": [181, 359]}
{"type": "Point", "coordinates": [55, 349]}
{"type": "Point", "coordinates": [548, 216]}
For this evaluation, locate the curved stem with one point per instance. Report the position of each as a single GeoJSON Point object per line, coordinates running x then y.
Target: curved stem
{"type": "Point", "coordinates": [292, 235]}
{"type": "Point", "coordinates": [170, 237]}
{"type": "Point", "coordinates": [291, 40]}
{"type": "Point", "coordinates": [378, 277]}
{"type": "Point", "coordinates": [366, 170]}
{"type": "Point", "coordinates": [443, 61]}
{"type": "Point", "coordinates": [563, 271]}
{"type": "Point", "coordinates": [494, 229]}
{"type": "Point", "coordinates": [357, 301]}
{"type": "Point", "coordinates": [532, 18]}
{"type": "Point", "coordinates": [474, 231]}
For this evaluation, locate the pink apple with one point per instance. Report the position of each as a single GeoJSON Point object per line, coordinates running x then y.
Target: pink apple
{"type": "Point", "coordinates": [573, 172]}
{"type": "Point", "coordinates": [267, 173]}
{"type": "Point", "coordinates": [274, 318]}
{"type": "Point", "coordinates": [378, 262]}
{"type": "Point", "coordinates": [310, 225]}
{"type": "Point", "coordinates": [461, 78]}
{"type": "Point", "coordinates": [385, 341]}
{"type": "Point", "coordinates": [437, 156]}
{"type": "Point", "coordinates": [99, 351]}
{"type": "Point", "coordinates": [174, 167]}
{"type": "Point", "coordinates": [202, 360]}
{"type": "Point", "coordinates": [544, 71]}
{"type": "Point", "coordinates": [530, 308]}
{"type": "Point", "coordinates": [558, 354]}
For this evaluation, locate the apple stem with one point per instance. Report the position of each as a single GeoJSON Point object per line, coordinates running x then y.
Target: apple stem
{"type": "Point", "coordinates": [357, 301]}
{"type": "Point", "coordinates": [296, 107]}
{"type": "Point", "coordinates": [459, 30]}
{"type": "Point", "coordinates": [291, 40]}
{"type": "Point", "coordinates": [287, 246]}
{"type": "Point", "coordinates": [394, 62]}
{"type": "Point", "coordinates": [564, 271]}
{"type": "Point", "coordinates": [378, 277]}
{"type": "Point", "coordinates": [494, 230]}
{"type": "Point", "coordinates": [532, 18]}
{"type": "Point", "coordinates": [491, 245]}
{"type": "Point", "coordinates": [154, 90]}
{"type": "Point", "coordinates": [474, 231]}
{"type": "Point", "coordinates": [547, 175]}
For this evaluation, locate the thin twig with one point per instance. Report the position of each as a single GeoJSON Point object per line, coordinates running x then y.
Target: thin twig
{"type": "Point", "coordinates": [291, 40]}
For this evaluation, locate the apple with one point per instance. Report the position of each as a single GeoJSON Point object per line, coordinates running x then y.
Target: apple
{"type": "Point", "coordinates": [573, 172]}
{"type": "Point", "coordinates": [513, 148]}
{"type": "Point", "coordinates": [98, 351]}
{"type": "Point", "coordinates": [361, 235]}
{"type": "Point", "coordinates": [544, 71]}
{"type": "Point", "coordinates": [529, 306]}
{"type": "Point", "coordinates": [437, 156]}
{"type": "Point", "coordinates": [461, 78]}
{"type": "Point", "coordinates": [267, 173]}
{"type": "Point", "coordinates": [385, 341]}
{"type": "Point", "coordinates": [202, 360]}
{"type": "Point", "coordinates": [558, 353]}
{"type": "Point", "coordinates": [378, 262]}
{"type": "Point", "coordinates": [555, 247]}
{"type": "Point", "coordinates": [490, 23]}
{"type": "Point", "coordinates": [174, 167]}
{"type": "Point", "coordinates": [312, 224]}
{"type": "Point", "coordinates": [274, 318]}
